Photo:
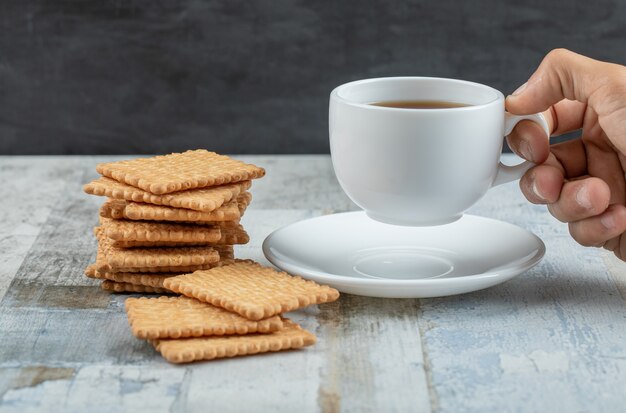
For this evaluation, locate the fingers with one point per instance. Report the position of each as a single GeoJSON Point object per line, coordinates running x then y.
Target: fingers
{"type": "Point", "coordinates": [601, 230]}
{"type": "Point", "coordinates": [605, 164]}
{"type": "Point", "coordinates": [572, 157]}
{"type": "Point", "coordinates": [567, 116]}
{"type": "Point", "coordinates": [528, 139]}
{"type": "Point", "coordinates": [581, 199]}
{"type": "Point", "coordinates": [562, 75]}
{"type": "Point", "coordinates": [542, 184]}
{"type": "Point", "coordinates": [583, 203]}
{"type": "Point", "coordinates": [567, 201]}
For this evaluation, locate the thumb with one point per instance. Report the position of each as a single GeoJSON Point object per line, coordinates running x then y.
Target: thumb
{"type": "Point", "coordinates": [561, 75]}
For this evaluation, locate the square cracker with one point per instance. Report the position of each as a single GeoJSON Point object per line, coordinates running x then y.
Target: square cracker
{"type": "Point", "coordinates": [116, 287]}
{"type": "Point", "coordinates": [155, 259]}
{"type": "Point", "coordinates": [176, 317]}
{"type": "Point", "coordinates": [229, 237]}
{"type": "Point", "coordinates": [128, 230]}
{"type": "Point", "coordinates": [249, 289]}
{"type": "Point", "coordinates": [121, 209]}
{"type": "Point", "coordinates": [186, 350]}
{"type": "Point", "coordinates": [180, 171]}
{"type": "Point", "coordinates": [227, 254]}
{"type": "Point", "coordinates": [230, 211]}
{"type": "Point", "coordinates": [204, 199]}
{"type": "Point", "coordinates": [154, 280]}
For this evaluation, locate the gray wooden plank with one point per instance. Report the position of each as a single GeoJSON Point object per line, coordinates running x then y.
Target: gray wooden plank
{"type": "Point", "coordinates": [64, 247]}
{"type": "Point", "coordinates": [98, 388]}
{"type": "Point", "coordinates": [29, 190]}
{"type": "Point", "coordinates": [375, 360]}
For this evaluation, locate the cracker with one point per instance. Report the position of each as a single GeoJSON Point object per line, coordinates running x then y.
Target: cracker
{"type": "Point", "coordinates": [226, 252]}
{"type": "Point", "coordinates": [116, 209]}
{"type": "Point", "coordinates": [158, 259]}
{"type": "Point", "coordinates": [180, 171]}
{"type": "Point", "coordinates": [113, 208]}
{"type": "Point", "coordinates": [206, 199]}
{"type": "Point", "coordinates": [251, 290]}
{"type": "Point", "coordinates": [229, 237]}
{"type": "Point", "coordinates": [127, 230]}
{"type": "Point", "coordinates": [234, 236]}
{"type": "Point", "coordinates": [186, 350]}
{"type": "Point", "coordinates": [230, 211]}
{"type": "Point", "coordinates": [176, 317]}
{"type": "Point", "coordinates": [137, 278]}
{"type": "Point", "coordinates": [116, 287]}
{"type": "Point", "coordinates": [90, 271]}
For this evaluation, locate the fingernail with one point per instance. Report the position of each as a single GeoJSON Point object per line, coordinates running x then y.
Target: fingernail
{"type": "Point", "coordinates": [608, 221]}
{"type": "Point", "coordinates": [535, 190]}
{"type": "Point", "coordinates": [582, 197]}
{"type": "Point", "coordinates": [520, 89]}
{"type": "Point", "coordinates": [526, 150]}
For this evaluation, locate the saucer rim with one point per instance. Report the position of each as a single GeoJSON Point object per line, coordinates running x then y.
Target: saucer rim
{"type": "Point", "coordinates": [509, 272]}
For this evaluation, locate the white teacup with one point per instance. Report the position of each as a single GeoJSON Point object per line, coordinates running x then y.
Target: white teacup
{"type": "Point", "coordinates": [420, 166]}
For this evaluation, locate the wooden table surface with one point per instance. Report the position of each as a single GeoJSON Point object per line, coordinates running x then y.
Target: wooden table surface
{"type": "Point", "coordinates": [551, 339]}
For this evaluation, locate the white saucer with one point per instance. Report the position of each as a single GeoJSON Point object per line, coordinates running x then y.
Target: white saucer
{"type": "Point", "coordinates": [358, 255]}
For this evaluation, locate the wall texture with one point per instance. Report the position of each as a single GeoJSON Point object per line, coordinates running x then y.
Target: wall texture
{"type": "Point", "coordinates": [146, 76]}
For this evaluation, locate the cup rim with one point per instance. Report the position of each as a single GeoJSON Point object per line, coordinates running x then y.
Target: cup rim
{"type": "Point", "coordinates": [336, 94]}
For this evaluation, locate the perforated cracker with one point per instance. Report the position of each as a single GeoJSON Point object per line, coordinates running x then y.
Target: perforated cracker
{"type": "Point", "coordinates": [203, 199]}
{"type": "Point", "coordinates": [103, 265]}
{"type": "Point", "coordinates": [113, 208]}
{"type": "Point", "coordinates": [230, 211]}
{"type": "Point", "coordinates": [137, 278]}
{"type": "Point", "coordinates": [121, 259]}
{"type": "Point", "coordinates": [226, 252]}
{"type": "Point", "coordinates": [232, 236]}
{"type": "Point", "coordinates": [251, 290]}
{"type": "Point", "coordinates": [180, 171]}
{"type": "Point", "coordinates": [90, 271]}
{"type": "Point", "coordinates": [131, 288]}
{"type": "Point", "coordinates": [176, 317]}
{"type": "Point", "coordinates": [128, 230]}
{"type": "Point", "coordinates": [229, 237]}
{"type": "Point", "coordinates": [116, 209]}
{"type": "Point", "coordinates": [186, 350]}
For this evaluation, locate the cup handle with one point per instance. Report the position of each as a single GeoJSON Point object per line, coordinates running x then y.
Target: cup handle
{"type": "Point", "coordinates": [508, 173]}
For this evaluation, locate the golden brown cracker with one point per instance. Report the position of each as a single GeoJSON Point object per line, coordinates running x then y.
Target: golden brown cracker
{"type": "Point", "coordinates": [128, 230]}
{"type": "Point", "coordinates": [116, 209]}
{"type": "Point", "coordinates": [234, 236]}
{"type": "Point", "coordinates": [226, 252]}
{"type": "Point", "coordinates": [186, 350]}
{"type": "Point", "coordinates": [229, 237]}
{"type": "Point", "coordinates": [155, 258]}
{"type": "Point", "coordinates": [131, 288]}
{"type": "Point", "coordinates": [137, 278]}
{"type": "Point", "coordinates": [176, 317]}
{"type": "Point", "coordinates": [251, 290]}
{"type": "Point", "coordinates": [230, 211]}
{"type": "Point", "coordinates": [180, 171]}
{"type": "Point", "coordinates": [113, 208]}
{"type": "Point", "coordinates": [90, 271]}
{"type": "Point", "coordinates": [204, 199]}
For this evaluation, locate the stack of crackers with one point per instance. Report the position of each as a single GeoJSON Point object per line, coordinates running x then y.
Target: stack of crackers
{"type": "Point", "coordinates": [169, 226]}
{"type": "Point", "coordinates": [168, 215]}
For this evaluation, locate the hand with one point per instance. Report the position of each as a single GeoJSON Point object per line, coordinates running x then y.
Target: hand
{"type": "Point", "coordinates": [581, 181]}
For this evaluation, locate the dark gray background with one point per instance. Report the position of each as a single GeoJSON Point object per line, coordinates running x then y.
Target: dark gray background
{"type": "Point", "coordinates": [146, 76]}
